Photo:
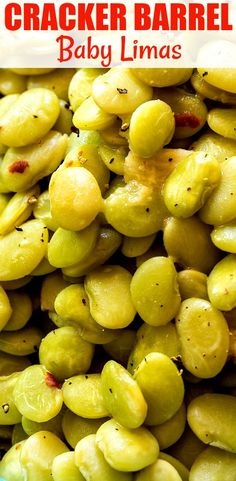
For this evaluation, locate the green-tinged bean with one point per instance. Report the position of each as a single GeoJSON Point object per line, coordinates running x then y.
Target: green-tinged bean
{"type": "Point", "coordinates": [224, 237]}
{"type": "Point", "coordinates": [10, 466]}
{"type": "Point", "coordinates": [87, 156]}
{"type": "Point", "coordinates": [192, 283]}
{"type": "Point", "coordinates": [219, 147]}
{"type": "Point", "coordinates": [51, 286]}
{"type": "Point", "coordinates": [221, 284]}
{"type": "Point", "coordinates": [67, 248]}
{"type": "Point", "coordinates": [11, 83]}
{"type": "Point", "coordinates": [22, 309]}
{"type": "Point", "coordinates": [58, 81]}
{"type": "Point", "coordinates": [205, 89]}
{"type": "Point", "coordinates": [170, 431]}
{"type": "Point", "coordinates": [82, 394]}
{"type": "Point", "coordinates": [42, 211]}
{"type": "Point", "coordinates": [155, 291]}
{"type": "Point", "coordinates": [180, 467]}
{"type": "Point", "coordinates": [77, 207]}
{"type": "Point", "coordinates": [152, 126]}
{"type": "Point", "coordinates": [20, 343]}
{"type": "Point", "coordinates": [126, 449]}
{"type": "Point", "coordinates": [189, 110]}
{"type": "Point", "coordinates": [222, 121]}
{"type": "Point", "coordinates": [220, 207]}
{"type": "Point", "coordinates": [5, 308]}
{"type": "Point", "coordinates": [122, 396]}
{"type": "Point", "coordinates": [113, 157]}
{"type": "Point", "coordinates": [22, 250]}
{"type": "Point", "coordinates": [119, 92]}
{"type": "Point", "coordinates": [90, 116]}
{"type": "Point", "coordinates": [135, 210]}
{"type": "Point", "coordinates": [191, 183]}
{"type": "Point", "coordinates": [72, 307]}
{"type": "Point", "coordinates": [43, 268]}
{"type": "Point", "coordinates": [64, 120]}
{"type": "Point", "coordinates": [204, 337]}
{"type": "Point", "coordinates": [18, 210]}
{"type": "Point", "coordinates": [6, 102]}
{"type": "Point", "coordinates": [158, 77]}
{"type": "Point", "coordinates": [214, 464]}
{"type": "Point", "coordinates": [136, 246]}
{"type": "Point", "coordinates": [29, 118]}
{"type": "Point", "coordinates": [223, 78]}
{"type": "Point", "coordinates": [54, 425]}
{"type": "Point", "coordinates": [189, 244]}
{"type": "Point", "coordinates": [18, 434]}
{"type": "Point", "coordinates": [162, 339]}
{"type": "Point", "coordinates": [9, 414]}
{"type": "Point", "coordinates": [80, 87]}
{"type": "Point", "coordinates": [120, 348]}
{"type": "Point", "coordinates": [22, 167]}
{"type": "Point", "coordinates": [64, 353]}
{"type": "Point", "coordinates": [158, 471]}
{"type": "Point", "coordinates": [92, 464]}
{"type": "Point", "coordinates": [76, 428]}
{"type": "Point", "coordinates": [108, 290]}
{"type": "Point", "coordinates": [38, 453]}
{"type": "Point", "coordinates": [83, 137]}
{"type": "Point", "coordinates": [10, 364]}
{"type": "Point", "coordinates": [157, 375]}
{"type": "Point", "coordinates": [64, 467]}
{"type": "Point", "coordinates": [212, 418]}
{"type": "Point", "coordinates": [37, 394]}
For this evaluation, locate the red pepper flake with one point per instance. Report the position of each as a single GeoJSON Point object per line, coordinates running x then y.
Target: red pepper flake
{"type": "Point", "coordinates": [187, 119]}
{"type": "Point", "coordinates": [18, 166]}
{"type": "Point", "coordinates": [51, 381]}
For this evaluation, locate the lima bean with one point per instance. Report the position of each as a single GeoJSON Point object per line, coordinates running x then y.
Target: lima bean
{"type": "Point", "coordinates": [155, 291]}
{"type": "Point", "coordinates": [157, 376]}
{"type": "Point", "coordinates": [122, 396]}
{"type": "Point", "coordinates": [212, 418]}
{"type": "Point", "coordinates": [126, 449]}
{"type": "Point", "coordinates": [110, 302]}
{"type": "Point", "coordinates": [29, 118]}
{"type": "Point", "coordinates": [204, 337]}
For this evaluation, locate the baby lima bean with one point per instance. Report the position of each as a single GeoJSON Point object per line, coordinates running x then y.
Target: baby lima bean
{"type": "Point", "coordinates": [117, 267]}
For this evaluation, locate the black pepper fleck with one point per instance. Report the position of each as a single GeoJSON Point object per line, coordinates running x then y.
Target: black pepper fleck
{"type": "Point", "coordinates": [112, 160]}
{"type": "Point", "coordinates": [122, 91]}
{"type": "Point", "coordinates": [84, 302]}
{"type": "Point", "coordinates": [110, 390]}
{"type": "Point", "coordinates": [204, 74]}
{"type": "Point", "coordinates": [19, 229]}
{"type": "Point", "coordinates": [75, 130]}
